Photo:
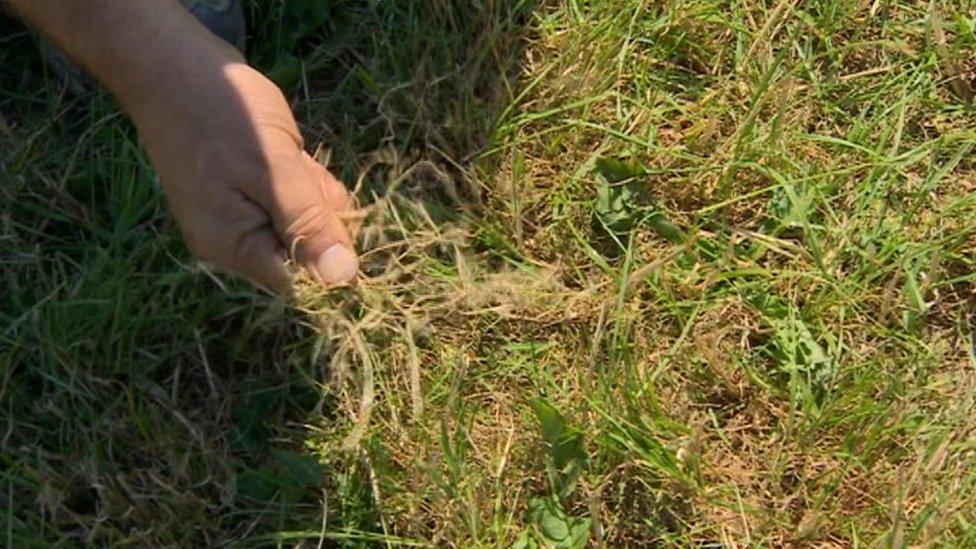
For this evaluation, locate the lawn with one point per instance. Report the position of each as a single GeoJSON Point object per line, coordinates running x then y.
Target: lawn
{"type": "Point", "coordinates": [635, 273]}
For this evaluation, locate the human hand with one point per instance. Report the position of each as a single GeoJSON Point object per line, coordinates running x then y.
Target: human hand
{"type": "Point", "coordinates": [244, 193]}
{"type": "Point", "coordinates": [220, 135]}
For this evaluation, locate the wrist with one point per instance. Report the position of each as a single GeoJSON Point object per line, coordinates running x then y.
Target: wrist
{"type": "Point", "coordinates": [187, 85]}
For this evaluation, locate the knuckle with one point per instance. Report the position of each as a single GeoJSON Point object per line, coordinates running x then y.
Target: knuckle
{"type": "Point", "coordinates": [303, 223]}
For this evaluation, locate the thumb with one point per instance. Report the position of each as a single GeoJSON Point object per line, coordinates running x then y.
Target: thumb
{"type": "Point", "coordinates": [309, 227]}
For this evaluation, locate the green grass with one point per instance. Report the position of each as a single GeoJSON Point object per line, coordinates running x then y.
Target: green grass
{"type": "Point", "coordinates": [637, 273]}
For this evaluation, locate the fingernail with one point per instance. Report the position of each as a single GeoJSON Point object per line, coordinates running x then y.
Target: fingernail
{"type": "Point", "coordinates": [338, 265]}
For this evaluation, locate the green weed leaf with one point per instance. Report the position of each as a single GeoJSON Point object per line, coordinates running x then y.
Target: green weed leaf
{"type": "Point", "coordinates": [615, 171]}
{"type": "Point", "coordinates": [525, 541]}
{"type": "Point", "coordinates": [564, 447]}
{"type": "Point", "coordinates": [285, 475]}
{"type": "Point", "coordinates": [250, 413]}
{"type": "Point", "coordinates": [557, 528]}
{"type": "Point", "coordinates": [665, 228]}
{"type": "Point", "coordinates": [300, 19]}
{"type": "Point", "coordinates": [295, 22]}
{"type": "Point", "coordinates": [286, 72]}
{"type": "Point", "coordinates": [258, 484]}
{"type": "Point", "coordinates": [796, 349]}
{"type": "Point", "coordinates": [302, 471]}
{"type": "Point", "coordinates": [616, 207]}
{"type": "Point", "coordinates": [621, 205]}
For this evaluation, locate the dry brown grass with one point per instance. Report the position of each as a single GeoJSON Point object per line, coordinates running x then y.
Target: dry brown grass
{"type": "Point", "coordinates": [449, 337]}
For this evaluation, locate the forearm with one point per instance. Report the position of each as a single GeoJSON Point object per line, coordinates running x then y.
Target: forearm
{"type": "Point", "coordinates": [142, 52]}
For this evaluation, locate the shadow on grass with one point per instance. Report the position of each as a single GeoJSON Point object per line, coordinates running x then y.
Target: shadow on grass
{"type": "Point", "coordinates": [146, 403]}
